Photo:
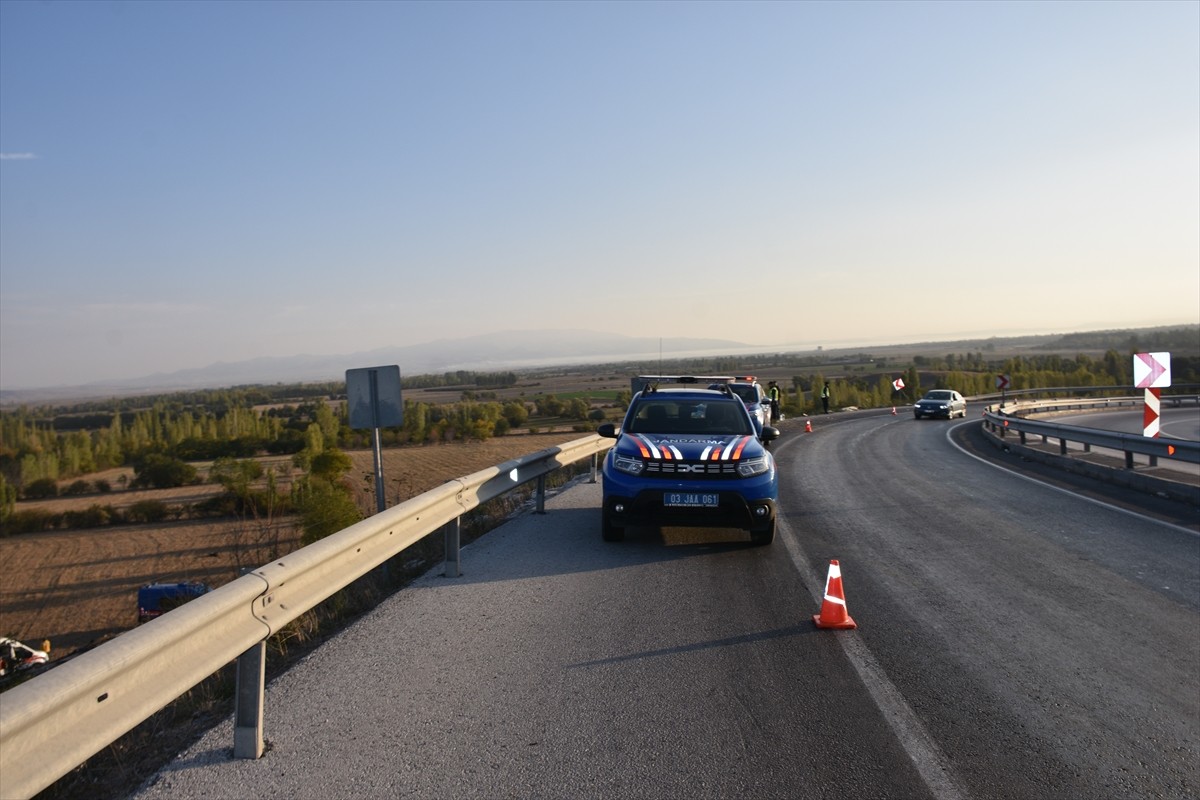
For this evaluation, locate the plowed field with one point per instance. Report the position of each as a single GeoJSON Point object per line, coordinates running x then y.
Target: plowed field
{"type": "Point", "coordinates": [79, 587]}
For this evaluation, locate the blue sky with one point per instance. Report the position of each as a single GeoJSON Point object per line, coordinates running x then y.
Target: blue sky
{"type": "Point", "coordinates": [186, 183]}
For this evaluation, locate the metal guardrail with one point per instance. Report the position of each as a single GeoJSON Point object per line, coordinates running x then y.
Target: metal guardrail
{"type": "Point", "coordinates": [54, 722]}
{"type": "Point", "coordinates": [1183, 391]}
{"type": "Point", "coordinates": [1003, 420]}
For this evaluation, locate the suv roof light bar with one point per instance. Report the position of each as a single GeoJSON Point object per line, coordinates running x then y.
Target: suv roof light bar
{"type": "Point", "coordinates": [643, 382]}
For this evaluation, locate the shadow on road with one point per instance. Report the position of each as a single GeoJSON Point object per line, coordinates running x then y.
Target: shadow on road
{"type": "Point", "coordinates": [567, 541]}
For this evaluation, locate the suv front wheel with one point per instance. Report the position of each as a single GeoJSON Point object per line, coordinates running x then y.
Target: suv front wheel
{"type": "Point", "coordinates": [608, 531]}
{"type": "Point", "coordinates": [763, 537]}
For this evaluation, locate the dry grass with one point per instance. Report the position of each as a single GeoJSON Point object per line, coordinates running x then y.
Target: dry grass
{"type": "Point", "coordinates": [79, 587]}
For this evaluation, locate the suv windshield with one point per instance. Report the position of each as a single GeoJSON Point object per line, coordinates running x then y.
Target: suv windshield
{"type": "Point", "coordinates": [747, 391]}
{"type": "Point", "coordinates": [665, 415]}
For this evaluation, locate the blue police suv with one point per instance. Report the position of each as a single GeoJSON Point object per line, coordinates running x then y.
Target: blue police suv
{"type": "Point", "coordinates": [688, 456]}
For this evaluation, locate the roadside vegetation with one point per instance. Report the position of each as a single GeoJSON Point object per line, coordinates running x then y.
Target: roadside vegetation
{"type": "Point", "coordinates": [219, 435]}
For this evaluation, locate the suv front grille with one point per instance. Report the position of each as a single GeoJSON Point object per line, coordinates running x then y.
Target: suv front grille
{"type": "Point", "coordinates": [698, 470]}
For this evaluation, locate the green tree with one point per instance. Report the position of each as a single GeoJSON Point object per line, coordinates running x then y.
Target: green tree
{"type": "Point", "coordinates": [330, 466]}
{"type": "Point", "coordinates": [314, 445]}
{"type": "Point", "coordinates": [549, 406]}
{"type": "Point", "coordinates": [162, 472]}
{"type": "Point", "coordinates": [416, 420]}
{"type": "Point", "coordinates": [8, 499]}
{"type": "Point", "coordinates": [41, 489]}
{"type": "Point", "coordinates": [576, 408]}
{"type": "Point", "coordinates": [235, 476]}
{"type": "Point", "coordinates": [328, 423]}
{"type": "Point", "coordinates": [516, 413]}
{"type": "Point", "coordinates": [327, 509]}
{"type": "Point", "coordinates": [912, 382]}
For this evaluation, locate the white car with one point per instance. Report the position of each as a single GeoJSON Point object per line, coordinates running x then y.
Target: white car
{"type": "Point", "coordinates": [15, 656]}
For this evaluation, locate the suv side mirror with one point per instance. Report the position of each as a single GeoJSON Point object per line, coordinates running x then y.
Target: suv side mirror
{"type": "Point", "coordinates": [607, 430]}
{"type": "Point", "coordinates": [769, 433]}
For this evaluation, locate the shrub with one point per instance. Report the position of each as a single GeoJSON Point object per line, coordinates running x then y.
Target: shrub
{"type": "Point", "coordinates": [103, 486]}
{"type": "Point", "coordinates": [147, 511]}
{"type": "Point", "coordinates": [223, 505]}
{"type": "Point", "coordinates": [326, 509]}
{"type": "Point", "coordinates": [29, 521]}
{"type": "Point", "coordinates": [163, 472]}
{"type": "Point", "coordinates": [331, 465]}
{"type": "Point", "coordinates": [93, 516]}
{"type": "Point", "coordinates": [77, 488]}
{"type": "Point", "coordinates": [288, 443]}
{"type": "Point", "coordinates": [41, 489]}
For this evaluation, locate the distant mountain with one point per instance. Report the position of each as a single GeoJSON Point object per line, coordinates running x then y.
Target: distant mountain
{"type": "Point", "coordinates": [525, 349]}
{"type": "Point", "coordinates": [485, 353]}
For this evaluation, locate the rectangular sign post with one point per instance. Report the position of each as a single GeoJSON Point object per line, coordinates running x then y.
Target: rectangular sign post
{"type": "Point", "coordinates": [1151, 371]}
{"type": "Point", "coordinates": [373, 397]}
{"type": "Point", "coordinates": [1002, 383]}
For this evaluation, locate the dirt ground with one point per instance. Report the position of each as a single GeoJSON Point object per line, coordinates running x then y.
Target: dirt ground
{"type": "Point", "coordinates": [78, 588]}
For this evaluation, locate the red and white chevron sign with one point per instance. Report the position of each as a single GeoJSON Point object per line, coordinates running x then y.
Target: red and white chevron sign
{"type": "Point", "coordinates": [1150, 413]}
{"type": "Point", "coordinates": [1151, 370]}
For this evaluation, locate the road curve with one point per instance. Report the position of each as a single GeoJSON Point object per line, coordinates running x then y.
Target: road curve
{"type": "Point", "coordinates": [1013, 641]}
{"type": "Point", "coordinates": [1048, 642]}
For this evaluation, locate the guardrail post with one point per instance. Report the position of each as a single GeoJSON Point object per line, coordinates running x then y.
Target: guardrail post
{"type": "Point", "coordinates": [251, 692]}
{"type": "Point", "coordinates": [541, 494]}
{"type": "Point", "coordinates": [595, 466]}
{"type": "Point", "coordinates": [1062, 447]}
{"type": "Point", "coordinates": [453, 537]}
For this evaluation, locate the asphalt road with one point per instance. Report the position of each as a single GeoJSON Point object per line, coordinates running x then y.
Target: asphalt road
{"type": "Point", "coordinates": [1176, 423]}
{"type": "Point", "coordinates": [1014, 641]}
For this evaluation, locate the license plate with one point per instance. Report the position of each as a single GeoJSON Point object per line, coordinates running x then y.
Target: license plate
{"type": "Point", "coordinates": [691, 499]}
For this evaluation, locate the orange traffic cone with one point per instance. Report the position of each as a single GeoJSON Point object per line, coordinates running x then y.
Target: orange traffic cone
{"type": "Point", "coordinates": [833, 608]}
{"type": "Point", "coordinates": [808, 426]}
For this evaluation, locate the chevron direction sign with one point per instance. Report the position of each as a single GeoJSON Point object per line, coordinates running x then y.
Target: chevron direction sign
{"type": "Point", "coordinates": [1151, 370]}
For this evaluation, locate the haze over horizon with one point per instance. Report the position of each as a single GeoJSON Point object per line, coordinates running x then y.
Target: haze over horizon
{"type": "Point", "coordinates": [189, 183]}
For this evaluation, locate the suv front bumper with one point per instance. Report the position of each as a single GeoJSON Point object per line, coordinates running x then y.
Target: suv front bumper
{"type": "Point", "coordinates": [712, 504]}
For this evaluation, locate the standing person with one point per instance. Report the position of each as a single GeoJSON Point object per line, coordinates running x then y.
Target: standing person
{"type": "Point", "coordinates": [773, 397]}
{"type": "Point", "coordinates": [825, 397]}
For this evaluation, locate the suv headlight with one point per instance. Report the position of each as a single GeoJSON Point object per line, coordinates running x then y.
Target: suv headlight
{"type": "Point", "coordinates": [753, 466]}
{"type": "Point", "coordinates": [628, 465]}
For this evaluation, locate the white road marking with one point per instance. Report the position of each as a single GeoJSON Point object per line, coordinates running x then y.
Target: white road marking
{"type": "Point", "coordinates": [927, 757]}
{"type": "Point", "coordinates": [1076, 495]}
